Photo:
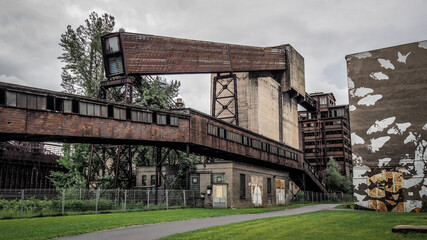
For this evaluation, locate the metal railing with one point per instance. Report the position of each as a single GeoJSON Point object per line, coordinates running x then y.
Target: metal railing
{"type": "Point", "coordinates": [311, 197]}
{"type": "Point", "coordinates": [47, 202]}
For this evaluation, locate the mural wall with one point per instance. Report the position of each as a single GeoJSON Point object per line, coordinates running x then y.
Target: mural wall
{"type": "Point", "coordinates": [388, 116]}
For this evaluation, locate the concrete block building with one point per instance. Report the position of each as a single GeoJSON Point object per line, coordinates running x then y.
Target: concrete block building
{"type": "Point", "coordinates": [387, 89]}
{"type": "Point", "coordinates": [226, 184]}
{"type": "Point", "coordinates": [325, 133]}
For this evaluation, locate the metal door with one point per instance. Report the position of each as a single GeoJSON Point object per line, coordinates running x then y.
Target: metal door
{"type": "Point", "coordinates": [256, 191]}
{"type": "Point", "coordinates": [219, 196]}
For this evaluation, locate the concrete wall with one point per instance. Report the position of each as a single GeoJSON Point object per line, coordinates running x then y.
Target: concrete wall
{"type": "Point", "coordinates": [388, 115]}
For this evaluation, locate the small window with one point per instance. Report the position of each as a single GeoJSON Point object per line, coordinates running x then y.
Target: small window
{"type": "Point", "coordinates": [97, 110]}
{"type": "Point", "coordinates": [104, 111]}
{"type": "Point", "coordinates": [90, 110]}
{"type": "Point", "coordinates": [22, 100]}
{"type": "Point", "coordinates": [173, 121]}
{"type": "Point", "coordinates": [222, 133]}
{"type": "Point", "coordinates": [115, 65]}
{"type": "Point", "coordinates": [120, 113]}
{"type": "Point", "coordinates": [147, 117]}
{"type": "Point", "coordinates": [41, 102]}
{"type": "Point", "coordinates": [242, 186]}
{"type": "Point", "coordinates": [32, 102]}
{"type": "Point", "coordinates": [218, 177]}
{"type": "Point", "coordinates": [153, 180]}
{"type": "Point", "coordinates": [268, 185]}
{"type": "Point", "coordinates": [11, 99]}
{"type": "Point", "coordinates": [83, 108]}
{"type": "Point", "coordinates": [144, 180]}
{"type": "Point", "coordinates": [161, 119]}
{"type": "Point", "coordinates": [212, 130]}
{"type": "Point", "coordinates": [112, 45]}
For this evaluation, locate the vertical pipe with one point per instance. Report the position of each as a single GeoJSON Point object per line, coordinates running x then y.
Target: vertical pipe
{"type": "Point", "coordinates": [63, 202]}
{"type": "Point", "coordinates": [167, 199]}
{"type": "Point", "coordinates": [96, 200]}
{"type": "Point", "coordinates": [124, 206]}
{"type": "Point", "coordinates": [22, 203]}
{"type": "Point", "coordinates": [148, 199]}
{"type": "Point", "coordinates": [117, 167]}
{"type": "Point", "coordinates": [185, 200]}
{"type": "Point", "coordinates": [89, 168]}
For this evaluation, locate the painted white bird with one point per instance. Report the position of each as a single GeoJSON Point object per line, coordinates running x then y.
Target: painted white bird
{"type": "Point", "coordinates": [402, 58]}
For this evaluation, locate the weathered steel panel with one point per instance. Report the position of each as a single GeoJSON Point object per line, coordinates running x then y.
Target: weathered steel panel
{"type": "Point", "coordinates": [219, 195]}
{"type": "Point", "coordinates": [147, 54]}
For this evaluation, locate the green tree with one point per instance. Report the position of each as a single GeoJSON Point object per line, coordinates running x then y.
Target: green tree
{"type": "Point", "coordinates": [82, 74]}
{"type": "Point", "coordinates": [335, 181]}
{"type": "Point", "coordinates": [82, 55]}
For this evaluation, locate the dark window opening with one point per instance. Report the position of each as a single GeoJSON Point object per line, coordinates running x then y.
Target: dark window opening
{"type": "Point", "coordinates": [268, 185]}
{"type": "Point", "coordinates": [2, 96]}
{"type": "Point", "coordinates": [50, 103]}
{"type": "Point", "coordinates": [110, 111]}
{"type": "Point", "coordinates": [75, 106]}
{"type": "Point", "coordinates": [242, 186]}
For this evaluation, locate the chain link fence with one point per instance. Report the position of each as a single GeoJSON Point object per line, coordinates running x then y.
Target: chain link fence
{"type": "Point", "coordinates": [47, 202]}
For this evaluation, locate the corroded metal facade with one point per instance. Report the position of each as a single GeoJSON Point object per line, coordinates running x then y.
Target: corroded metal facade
{"type": "Point", "coordinates": [325, 132]}
{"type": "Point", "coordinates": [387, 89]}
{"type": "Point", "coordinates": [81, 119]}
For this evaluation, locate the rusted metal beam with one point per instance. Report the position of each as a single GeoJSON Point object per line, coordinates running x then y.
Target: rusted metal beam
{"type": "Point", "coordinates": [147, 54]}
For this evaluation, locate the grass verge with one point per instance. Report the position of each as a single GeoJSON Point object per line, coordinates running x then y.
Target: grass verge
{"type": "Point", "coordinates": [51, 227]}
{"type": "Point", "coordinates": [319, 225]}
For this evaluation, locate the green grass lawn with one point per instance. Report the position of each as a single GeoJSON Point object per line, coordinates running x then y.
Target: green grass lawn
{"type": "Point", "coordinates": [319, 225]}
{"type": "Point", "coordinates": [51, 227]}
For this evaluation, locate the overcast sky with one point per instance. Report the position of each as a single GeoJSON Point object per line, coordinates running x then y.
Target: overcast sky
{"type": "Point", "coordinates": [323, 32]}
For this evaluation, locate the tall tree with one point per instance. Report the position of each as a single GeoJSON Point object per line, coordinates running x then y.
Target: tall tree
{"type": "Point", "coordinates": [82, 55]}
{"type": "Point", "coordinates": [335, 181]}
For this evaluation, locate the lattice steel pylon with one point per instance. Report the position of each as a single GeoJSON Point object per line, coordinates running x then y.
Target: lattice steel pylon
{"type": "Point", "coordinates": [118, 90]}
{"type": "Point", "coordinates": [224, 98]}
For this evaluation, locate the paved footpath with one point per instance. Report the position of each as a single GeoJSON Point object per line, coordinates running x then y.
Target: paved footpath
{"type": "Point", "coordinates": [159, 230]}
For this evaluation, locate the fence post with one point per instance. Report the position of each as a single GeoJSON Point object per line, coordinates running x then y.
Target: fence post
{"type": "Point", "coordinates": [124, 206]}
{"type": "Point", "coordinates": [96, 200]}
{"type": "Point", "coordinates": [185, 200]}
{"type": "Point", "coordinates": [148, 199]}
{"type": "Point", "coordinates": [63, 202]}
{"type": "Point", "coordinates": [167, 202]}
{"type": "Point", "coordinates": [22, 203]}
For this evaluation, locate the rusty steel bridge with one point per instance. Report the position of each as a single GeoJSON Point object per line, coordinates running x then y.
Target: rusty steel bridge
{"type": "Point", "coordinates": [31, 114]}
